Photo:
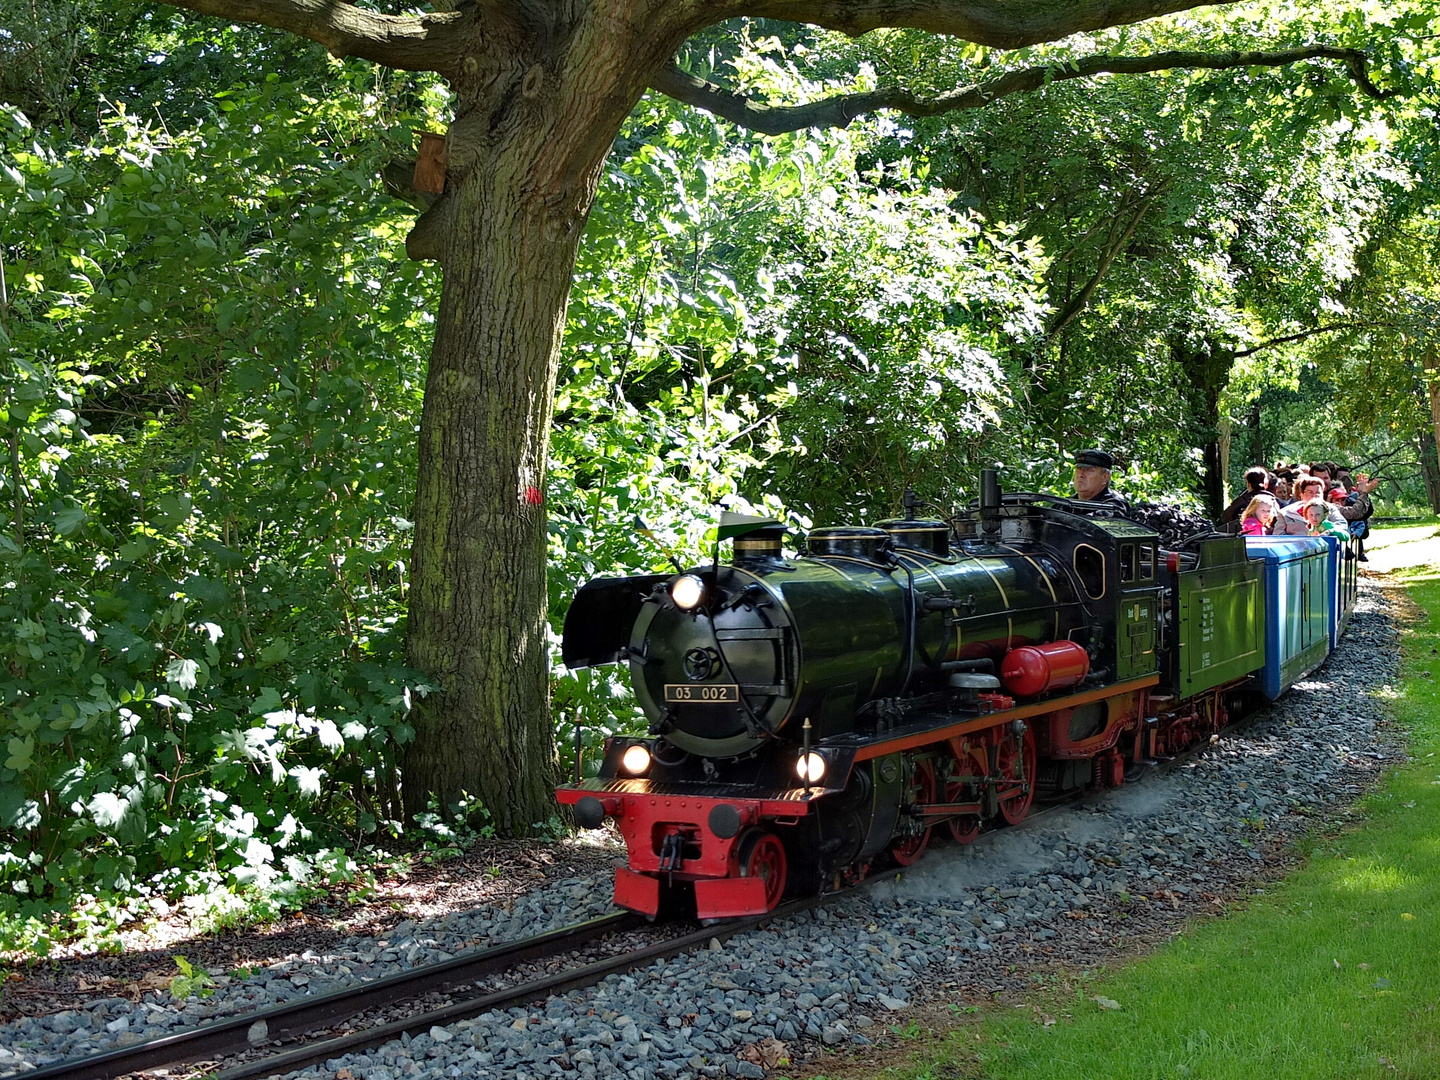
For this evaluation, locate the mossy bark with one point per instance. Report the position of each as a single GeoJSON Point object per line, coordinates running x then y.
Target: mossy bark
{"type": "Point", "coordinates": [525, 152]}
{"type": "Point", "coordinates": [1432, 389]}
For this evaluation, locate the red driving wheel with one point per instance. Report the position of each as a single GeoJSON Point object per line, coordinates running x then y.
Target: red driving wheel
{"type": "Point", "coordinates": [760, 854]}
{"type": "Point", "coordinates": [922, 790]}
{"type": "Point", "coordinates": [1015, 764]}
{"type": "Point", "coordinates": [966, 827]}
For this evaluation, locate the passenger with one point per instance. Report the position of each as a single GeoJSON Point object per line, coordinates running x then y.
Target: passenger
{"type": "Point", "coordinates": [1311, 487]}
{"type": "Point", "coordinates": [1282, 491]}
{"type": "Point", "coordinates": [1257, 477]}
{"type": "Point", "coordinates": [1259, 516]}
{"type": "Point", "coordinates": [1359, 521]}
{"type": "Point", "coordinates": [1092, 480]}
{"type": "Point", "coordinates": [1292, 521]}
{"type": "Point", "coordinates": [1359, 507]}
{"type": "Point", "coordinates": [1317, 516]}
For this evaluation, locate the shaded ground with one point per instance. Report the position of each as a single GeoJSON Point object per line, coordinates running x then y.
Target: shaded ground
{"type": "Point", "coordinates": [490, 873]}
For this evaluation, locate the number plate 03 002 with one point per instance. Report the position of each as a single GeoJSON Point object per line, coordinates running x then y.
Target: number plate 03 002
{"type": "Point", "coordinates": [706, 694]}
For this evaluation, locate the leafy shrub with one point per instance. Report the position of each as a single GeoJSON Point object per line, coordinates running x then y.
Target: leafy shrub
{"type": "Point", "coordinates": [202, 541]}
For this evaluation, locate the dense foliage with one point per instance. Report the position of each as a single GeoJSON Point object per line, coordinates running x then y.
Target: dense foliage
{"type": "Point", "coordinates": [214, 351]}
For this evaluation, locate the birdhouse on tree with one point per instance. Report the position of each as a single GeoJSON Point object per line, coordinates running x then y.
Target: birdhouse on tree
{"type": "Point", "coordinates": [430, 164]}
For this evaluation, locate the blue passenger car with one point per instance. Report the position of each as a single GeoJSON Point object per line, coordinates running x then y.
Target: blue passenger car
{"type": "Point", "coordinates": [1344, 585]}
{"type": "Point", "coordinates": [1301, 583]}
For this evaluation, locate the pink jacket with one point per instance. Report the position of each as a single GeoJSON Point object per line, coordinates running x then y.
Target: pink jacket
{"type": "Point", "coordinates": [1252, 526]}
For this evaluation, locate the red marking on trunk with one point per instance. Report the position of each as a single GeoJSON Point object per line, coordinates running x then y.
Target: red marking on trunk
{"type": "Point", "coordinates": [533, 496]}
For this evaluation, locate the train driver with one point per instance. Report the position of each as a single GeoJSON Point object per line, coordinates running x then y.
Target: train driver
{"type": "Point", "coordinates": [1092, 480]}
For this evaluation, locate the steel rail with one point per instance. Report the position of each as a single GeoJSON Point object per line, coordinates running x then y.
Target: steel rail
{"type": "Point", "coordinates": [292, 1019]}
{"type": "Point", "coordinates": [559, 983]}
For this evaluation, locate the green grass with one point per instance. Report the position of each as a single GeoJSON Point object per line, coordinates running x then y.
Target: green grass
{"type": "Point", "coordinates": [1405, 513]}
{"type": "Point", "coordinates": [1405, 523]}
{"type": "Point", "coordinates": [1333, 973]}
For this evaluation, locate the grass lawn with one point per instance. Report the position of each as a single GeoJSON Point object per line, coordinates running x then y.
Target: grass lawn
{"type": "Point", "coordinates": [1334, 972]}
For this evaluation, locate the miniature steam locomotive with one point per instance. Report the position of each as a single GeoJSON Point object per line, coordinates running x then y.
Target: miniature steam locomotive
{"type": "Point", "coordinates": [812, 714]}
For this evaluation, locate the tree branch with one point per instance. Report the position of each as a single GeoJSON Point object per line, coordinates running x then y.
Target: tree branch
{"type": "Point", "coordinates": [1078, 302]}
{"type": "Point", "coordinates": [1303, 334]}
{"type": "Point", "coordinates": [426, 241]}
{"type": "Point", "coordinates": [1374, 461]}
{"type": "Point", "coordinates": [840, 110]}
{"type": "Point", "coordinates": [430, 42]}
{"type": "Point", "coordinates": [1005, 24]}
{"type": "Point", "coordinates": [397, 178]}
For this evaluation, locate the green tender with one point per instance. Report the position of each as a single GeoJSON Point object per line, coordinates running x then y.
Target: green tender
{"type": "Point", "coordinates": [1221, 623]}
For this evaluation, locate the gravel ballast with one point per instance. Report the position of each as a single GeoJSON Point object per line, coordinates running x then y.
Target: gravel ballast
{"type": "Point", "coordinates": [1071, 888]}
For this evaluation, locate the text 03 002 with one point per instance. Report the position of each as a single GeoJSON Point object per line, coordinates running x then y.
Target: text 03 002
{"type": "Point", "coordinates": [715, 693]}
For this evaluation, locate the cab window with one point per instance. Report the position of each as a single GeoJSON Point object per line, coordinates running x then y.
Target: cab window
{"type": "Point", "coordinates": [1090, 569]}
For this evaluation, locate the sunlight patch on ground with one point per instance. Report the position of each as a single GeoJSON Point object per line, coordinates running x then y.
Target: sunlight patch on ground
{"type": "Point", "coordinates": [1374, 878]}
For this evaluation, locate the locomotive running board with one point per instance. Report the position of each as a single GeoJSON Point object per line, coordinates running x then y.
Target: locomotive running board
{"type": "Point", "coordinates": [894, 742]}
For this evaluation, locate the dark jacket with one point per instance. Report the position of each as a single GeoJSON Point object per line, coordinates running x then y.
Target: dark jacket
{"type": "Point", "coordinates": [1237, 507]}
{"type": "Point", "coordinates": [1358, 510]}
{"type": "Point", "coordinates": [1109, 497]}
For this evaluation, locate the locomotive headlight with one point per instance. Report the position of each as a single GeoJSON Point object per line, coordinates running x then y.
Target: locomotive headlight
{"type": "Point", "coordinates": [635, 760]}
{"type": "Point", "coordinates": [687, 592]}
{"type": "Point", "coordinates": [810, 768]}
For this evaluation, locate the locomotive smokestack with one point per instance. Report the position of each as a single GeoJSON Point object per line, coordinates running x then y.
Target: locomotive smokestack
{"type": "Point", "coordinates": [989, 490]}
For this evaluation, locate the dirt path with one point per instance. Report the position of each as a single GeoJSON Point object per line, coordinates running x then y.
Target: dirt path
{"type": "Point", "coordinates": [1395, 549]}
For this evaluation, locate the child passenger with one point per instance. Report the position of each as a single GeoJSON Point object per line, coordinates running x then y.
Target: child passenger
{"type": "Point", "coordinates": [1313, 511]}
{"type": "Point", "coordinates": [1259, 516]}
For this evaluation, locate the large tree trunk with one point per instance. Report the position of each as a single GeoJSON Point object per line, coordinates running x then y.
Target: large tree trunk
{"type": "Point", "coordinates": [1206, 372]}
{"type": "Point", "coordinates": [525, 154]}
{"type": "Point", "coordinates": [1426, 447]}
{"type": "Point", "coordinates": [477, 600]}
{"type": "Point", "coordinates": [1432, 387]}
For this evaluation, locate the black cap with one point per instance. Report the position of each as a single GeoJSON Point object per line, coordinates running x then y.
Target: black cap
{"type": "Point", "coordinates": [1097, 458]}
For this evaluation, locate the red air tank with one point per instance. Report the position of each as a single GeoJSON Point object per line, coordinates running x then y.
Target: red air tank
{"type": "Point", "coordinates": [1034, 669]}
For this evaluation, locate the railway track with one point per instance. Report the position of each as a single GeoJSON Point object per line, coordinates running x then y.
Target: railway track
{"type": "Point", "coordinates": [293, 1020]}
{"type": "Point", "coordinates": [304, 1031]}
{"type": "Point", "coordinates": [309, 1023]}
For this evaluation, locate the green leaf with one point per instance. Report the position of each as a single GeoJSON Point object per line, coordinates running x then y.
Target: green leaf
{"type": "Point", "coordinates": [268, 701]}
{"type": "Point", "coordinates": [276, 651]}
{"type": "Point", "coordinates": [107, 809]}
{"type": "Point", "coordinates": [174, 511]}
{"type": "Point", "coordinates": [308, 780]}
{"type": "Point", "coordinates": [20, 753]}
{"type": "Point", "coordinates": [329, 736]}
{"type": "Point", "coordinates": [69, 520]}
{"type": "Point", "coordinates": [16, 811]}
{"type": "Point", "coordinates": [183, 673]}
